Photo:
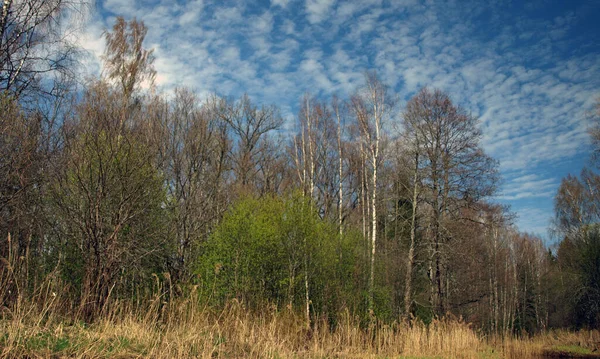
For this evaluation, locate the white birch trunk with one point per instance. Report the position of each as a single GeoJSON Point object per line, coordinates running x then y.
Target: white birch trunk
{"type": "Point", "coordinates": [411, 247]}
{"type": "Point", "coordinates": [340, 175]}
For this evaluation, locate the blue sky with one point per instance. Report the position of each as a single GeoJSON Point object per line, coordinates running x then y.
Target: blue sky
{"type": "Point", "coordinates": [530, 71]}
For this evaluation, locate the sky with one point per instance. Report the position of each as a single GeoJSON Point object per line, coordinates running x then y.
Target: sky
{"type": "Point", "coordinates": [530, 71]}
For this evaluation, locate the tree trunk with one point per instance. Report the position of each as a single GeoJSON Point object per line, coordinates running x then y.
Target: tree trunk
{"type": "Point", "coordinates": [411, 247]}
{"type": "Point", "coordinates": [306, 294]}
{"type": "Point", "coordinates": [373, 240]}
{"type": "Point", "coordinates": [340, 178]}
{"type": "Point", "coordinates": [374, 158]}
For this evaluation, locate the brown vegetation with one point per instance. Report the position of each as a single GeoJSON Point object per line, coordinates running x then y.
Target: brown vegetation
{"type": "Point", "coordinates": [137, 225]}
{"type": "Point", "coordinates": [186, 329]}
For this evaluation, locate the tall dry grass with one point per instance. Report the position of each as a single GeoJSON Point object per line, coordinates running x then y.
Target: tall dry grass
{"type": "Point", "coordinates": [46, 326]}
{"type": "Point", "coordinates": [184, 329]}
{"type": "Point", "coordinates": [44, 323]}
{"type": "Point", "coordinates": [548, 343]}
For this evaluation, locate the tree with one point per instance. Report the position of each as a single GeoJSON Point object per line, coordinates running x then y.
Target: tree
{"type": "Point", "coordinates": [192, 145]}
{"type": "Point", "coordinates": [249, 126]}
{"type": "Point", "coordinates": [337, 108]}
{"type": "Point", "coordinates": [21, 187]}
{"type": "Point", "coordinates": [107, 192]}
{"type": "Point", "coordinates": [413, 148]}
{"type": "Point", "coordinates": [243, 258]}
{"type": "Point", "coordinates": [584, 262]}
{"type": "Point", "coordinates": [457, 172]}
{"type": "Point", "coordinates": [258, 255]}
{"type": "Point", "coordinates": [577, 203]}
{"type": "Point", "coordinates": [531, 264]}
{"type": "Point", "coordinates": [33, 44]}
{"type": "Point", "coordinates": [37, 68]}
{"type": "Point", "coordinates": [126, 61]}
{"type": "Point", "coordinates": [372, 107]}
{"type": "Point", "coordinates": [577, 214]}
{"type": "Point", "coordinates": [272, 166]}
{"type": "Point", "coordinates": [108, 199]}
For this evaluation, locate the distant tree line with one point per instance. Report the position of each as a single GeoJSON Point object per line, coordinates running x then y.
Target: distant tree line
{"type": "Point", "coordinates": [366, 207]}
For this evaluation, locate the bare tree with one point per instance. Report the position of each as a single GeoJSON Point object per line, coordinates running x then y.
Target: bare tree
{"type": "Point", "coordinates": [21, 187]}
{"type": "Point", "coordinates": [109, 196]}
{"type": "Point", "coordinates": [456, 170]}
{"type": "Point", "coordinates": [372, 107]}
{"type": "Point", "coordinates": [107, 190]}
{"type": "Point", "coordinates": [304, 154]}
{"type": "Point", "coordinates": [272, 165]}
{"type": "Point", "coordinates": [249, 125]}
{"type": "Point", "coordinates": [33, 44]}
{"type": "Point", "coordinates": [339, 110]}
{"type": "Point", "coordinates": [577, 203]}
{"type": "Point", "coordinates": [315, 154]}
{"type": "Point", "coordinates": [416, 190]}
{"type": "Point", "coordinates": [193, 145]}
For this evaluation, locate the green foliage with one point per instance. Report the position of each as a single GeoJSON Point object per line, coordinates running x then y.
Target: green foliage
{"type": "Point", "coordinates": [575, 280]}
{"type": "Point", "coordinates": [265, 248]}
{"type": "Point", "coordinates": [383, 303]}
{"type": "Point", "coordinates": [587, 268]}
{"type": "Point", "coordinates": [241, 259]}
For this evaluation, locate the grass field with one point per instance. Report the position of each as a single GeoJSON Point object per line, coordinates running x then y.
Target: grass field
{"type": "Point", "coordinates": [183, 329]}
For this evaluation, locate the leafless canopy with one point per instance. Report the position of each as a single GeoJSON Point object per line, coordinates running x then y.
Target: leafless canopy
{"type": "Point", "coordinates": [33, 43]}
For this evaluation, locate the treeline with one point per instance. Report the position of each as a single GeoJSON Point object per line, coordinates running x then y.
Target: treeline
{"type": "Point", "coordinates": [365, 207]}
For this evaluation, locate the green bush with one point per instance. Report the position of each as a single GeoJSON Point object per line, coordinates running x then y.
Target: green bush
{"type": "Point", "coordinates": [264, 250]}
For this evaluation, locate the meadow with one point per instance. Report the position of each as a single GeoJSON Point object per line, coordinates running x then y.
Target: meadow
{"type": "Point", "coordinates": [47, 326]}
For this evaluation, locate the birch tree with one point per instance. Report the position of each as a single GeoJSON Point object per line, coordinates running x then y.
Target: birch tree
{"type": "Point", "coordinates": [372, 106]}
{"type": "Point", "coordinates": [338, 110]}
{"type": "Point", "coordinates": [33, 43]}
{"type": "Point", "coordinates": [126, 61]}
{"type": "Point", "coordinates": [413, 152]}
{"type": "Point", "coordinates": [308, 149]}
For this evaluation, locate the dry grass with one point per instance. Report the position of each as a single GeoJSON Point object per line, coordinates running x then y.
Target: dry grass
{"type": "Point", "coordinates": [183, 329]}
{"type": "Point", "coordinates": [43, 326]}
{"type": "Point", "coordinates": [553, 341]}
{"type": "Point", "coordinates": [186, 331]}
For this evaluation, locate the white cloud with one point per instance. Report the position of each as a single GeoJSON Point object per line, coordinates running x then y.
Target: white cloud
{"type": "Point", "coordinates": [528, 186]}
{"type": "Point", "coordinates": [191, 12]}
{"type": "Point", "coordinates": [124, 8]}
{"type": "Point", "coordinates": [318, 10]}
{"type": "Point", "coordinates": [530, 93]}
{"type": "Point", "coordinates": [282, 3]}
{"type": "Point", "coordinates": [227, 16]}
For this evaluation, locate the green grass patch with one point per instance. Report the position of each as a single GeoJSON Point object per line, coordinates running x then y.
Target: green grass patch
{"type": "Point", "coordinates": [489, 353]}
{"type": "Point", "coordinates": [45, 341]}
{"type": "Point", "coordinates": [571, 349]}
{"type": "Point", "coordinates": [121, 344]}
